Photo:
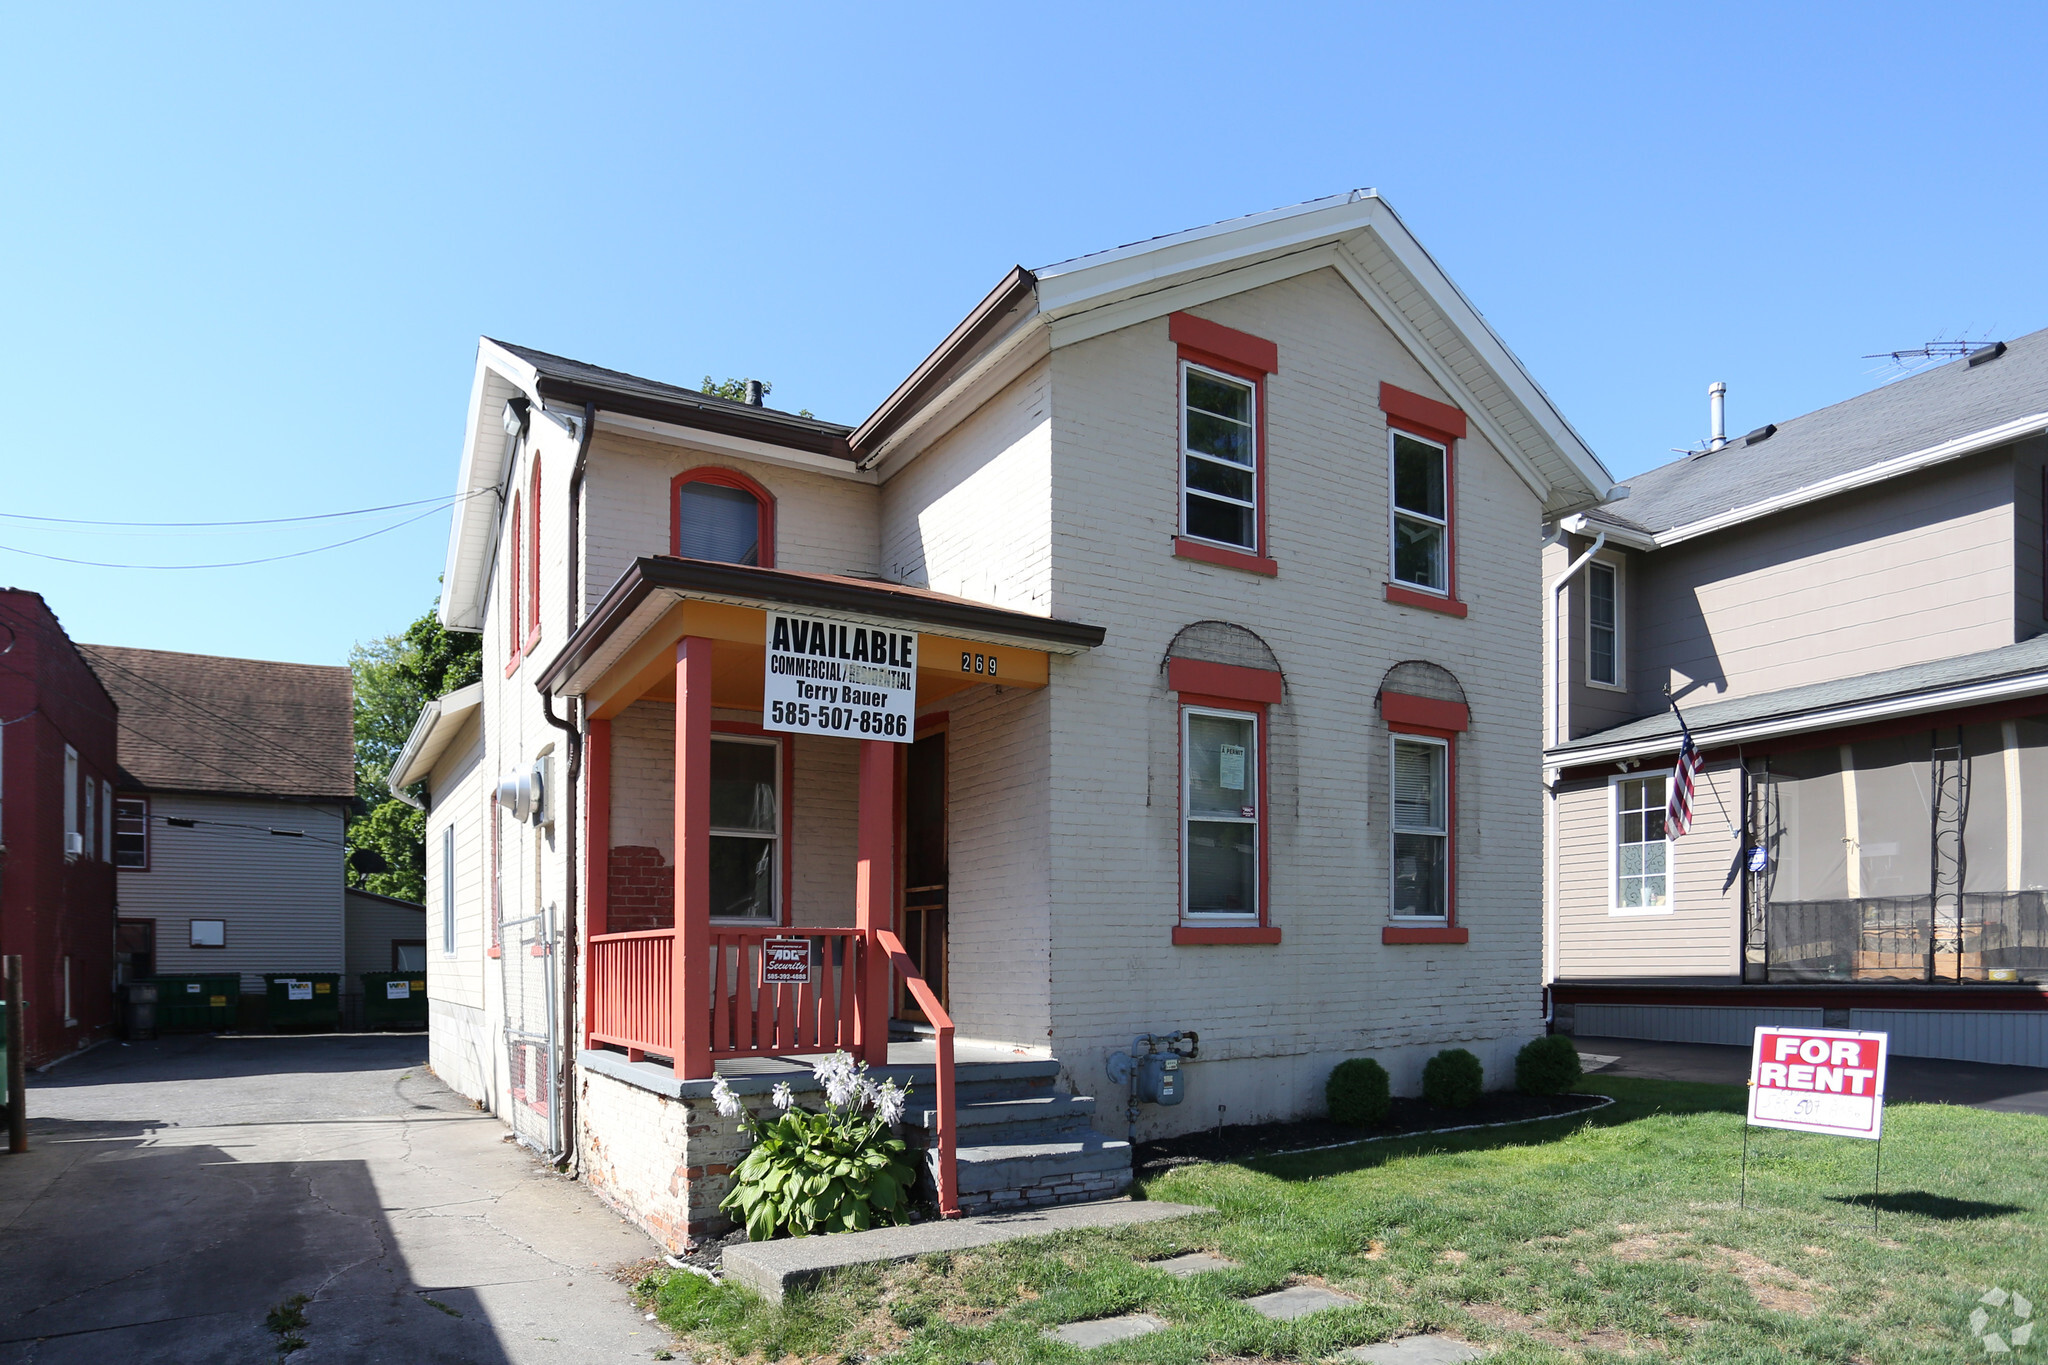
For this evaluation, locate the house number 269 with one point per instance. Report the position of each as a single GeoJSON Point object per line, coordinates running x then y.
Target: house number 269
{"type": "Point", "coordinates": [978, 663]}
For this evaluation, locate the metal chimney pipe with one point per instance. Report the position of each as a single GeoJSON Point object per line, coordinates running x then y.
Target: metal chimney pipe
{"type": "Point", "coordinates": [753, 393]}
{"type": "Point", "coordinates": [1717, 401]}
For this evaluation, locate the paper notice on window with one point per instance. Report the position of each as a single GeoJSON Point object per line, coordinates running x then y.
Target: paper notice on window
{"type": "Point", "coordinates": [1230, 767]}
{"type": "Point", "coordinates": [398, 990]}
{"type": "Point", "coordinates": [298, 990]}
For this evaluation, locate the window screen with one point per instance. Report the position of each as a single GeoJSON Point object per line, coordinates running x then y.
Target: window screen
{"type": "Point", "coordinates": [717, 522]}
{"type": "Point", "coordinates": [1421, 829]}
{"type": "Point", "coordinates": [1421, 514]}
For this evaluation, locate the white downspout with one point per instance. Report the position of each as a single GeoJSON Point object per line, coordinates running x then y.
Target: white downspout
{"type": "Point", "coordinates": [1558, 678]}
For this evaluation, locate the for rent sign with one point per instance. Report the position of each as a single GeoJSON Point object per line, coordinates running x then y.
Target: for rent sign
{"type": "Point", "coordinates": [840, 675]}
{"type": "Point", "coordinates": [1818, 1081]}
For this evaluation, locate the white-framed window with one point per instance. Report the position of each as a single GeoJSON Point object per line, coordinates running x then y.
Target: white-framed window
{"type": "Point", "coordinates": [1219, 440]}
{"type": "Point", "coordinates": [1420, 512]}
{"type": "Point", "coordinates": [70, 1017]}
{"type": "Point", "coordinates": [448, 890]}
{"type": "Point", "coordinates": [1421, 828]}
{"type": "Point", "coordinates": [209, 933]}
{"type": "Point", "coordinates": [1219, 814]}
{"type": "Point", "coordinates": [73, 844]}
{"type": "Point", "coordinates": [107, 821]}
{"type": "Point", "coordinates": [1641, 875]}
{"type": "Point", "coordinates": [746, 828]}
{"type": "Point", "coordinates": [1603, 624]}
{"type": "Point", "coordinates": [91, 830]}
{"type": "Point", "coordinates": [131, 832]}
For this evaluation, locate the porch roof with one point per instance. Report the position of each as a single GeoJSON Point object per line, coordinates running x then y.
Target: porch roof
{"type": "Point", "coordinates": [648, 593]}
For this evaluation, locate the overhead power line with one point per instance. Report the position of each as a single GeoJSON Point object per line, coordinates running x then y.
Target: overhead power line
{"type": "Point", "coordinates": [253, 521]}
{"type": "Point", "coordinates": [233, 563]}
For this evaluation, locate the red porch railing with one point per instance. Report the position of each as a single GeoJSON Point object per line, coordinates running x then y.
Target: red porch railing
{"type": "Point", "coordinates": [631, 985]}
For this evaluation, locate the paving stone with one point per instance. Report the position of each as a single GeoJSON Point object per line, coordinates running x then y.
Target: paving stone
{"type": "Point", "coordinates": [1102, 1331]}
{"type": "Point", "coordinates": [1423, 1350]}
{"type": "Point", "coordinates": [1298, 1302]}
{"type": "Point", "coordinates": [1193, 1263]}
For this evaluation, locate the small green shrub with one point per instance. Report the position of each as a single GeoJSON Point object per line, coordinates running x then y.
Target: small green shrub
{"type": "Point", "coordinates": [1453, 1079]}
{"type": "Point", "coordinates": [837, 1170]}
{"type": "Point", "coordinates": [1547, 1066]}
{"type": "Point", "coordinates": [1357, 1092]}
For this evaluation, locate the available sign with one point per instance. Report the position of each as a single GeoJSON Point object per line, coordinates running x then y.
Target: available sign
{"type": "Point", "coordinates": [1818, 1081]}
{"type": "Point", "coordinates": [785, 962]}
{"type": "Point", "coordinates": [840, 675]}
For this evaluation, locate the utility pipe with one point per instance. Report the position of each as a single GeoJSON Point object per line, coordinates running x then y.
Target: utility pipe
{"type": "Point", "coordinates": [1559, 677]}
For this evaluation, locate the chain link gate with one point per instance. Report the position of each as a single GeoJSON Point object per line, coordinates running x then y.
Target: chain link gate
{"type": "Point", "coordinates": [527, 979]}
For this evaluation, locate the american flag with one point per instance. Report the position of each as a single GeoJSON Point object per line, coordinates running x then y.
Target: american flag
{"type": "Point", "coordinates": [1678, 810]}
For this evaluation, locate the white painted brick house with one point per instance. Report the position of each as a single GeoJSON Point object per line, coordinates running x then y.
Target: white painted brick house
{"type": "Point", "coordinates": [1220, 557]}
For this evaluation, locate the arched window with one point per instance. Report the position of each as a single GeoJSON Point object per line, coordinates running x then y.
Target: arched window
{"type": "Point", "coordinates": [533, 560]}
{"type": "Point", "coordinates": [721, 514]}
{"type": "Point", "coordinates": [515, 565]}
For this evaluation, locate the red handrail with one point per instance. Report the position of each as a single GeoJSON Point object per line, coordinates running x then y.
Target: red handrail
{"type": "Point", "coordinates": [949, 1170]}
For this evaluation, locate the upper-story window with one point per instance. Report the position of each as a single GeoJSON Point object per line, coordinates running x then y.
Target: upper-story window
{"type": "Point", "coordinates": [1422, 526]}
{"type": "Point", "coordinates": [515, 577]}
{"type": "Point", "coordinates": [1219, 458]}
{"type": "Point", "coordinates": [1603, 624]}
{"type": "Point", "coordinates": [131, 832]}
{"type": "Point", "coordinates": [533, 559]}
{"type": "Point", "coordinates": [722, 514]}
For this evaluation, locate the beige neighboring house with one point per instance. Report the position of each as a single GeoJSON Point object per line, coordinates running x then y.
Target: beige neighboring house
{"type": "Point", "coordinates": [236, 781]}
{"type": "Point", "coordinates": [1159, 663]}
{"type": "Point", "coordinates": [1847, 608]}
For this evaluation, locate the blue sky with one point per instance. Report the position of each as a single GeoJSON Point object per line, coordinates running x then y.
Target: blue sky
{"type": "Point", "coordinates": [246, 252]}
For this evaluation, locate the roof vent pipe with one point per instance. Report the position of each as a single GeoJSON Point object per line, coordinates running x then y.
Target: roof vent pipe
{"type": "Point", "coordinates": [1717, 401]}
{"type": "Point", "coordinates": [753, 393]}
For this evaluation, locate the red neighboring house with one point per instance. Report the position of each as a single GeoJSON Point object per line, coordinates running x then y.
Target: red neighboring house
{"type": "Point", "coordinates": [57, 777]}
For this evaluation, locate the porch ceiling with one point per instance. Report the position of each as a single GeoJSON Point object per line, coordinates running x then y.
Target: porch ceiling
{"type": "Point", "coordinates": [626, 650]}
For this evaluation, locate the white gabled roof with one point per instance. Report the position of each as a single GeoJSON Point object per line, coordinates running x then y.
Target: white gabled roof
{"type": "Point", "coordinates": [472, 533]}
{"type": "Point", "coordinates": [431, 735]}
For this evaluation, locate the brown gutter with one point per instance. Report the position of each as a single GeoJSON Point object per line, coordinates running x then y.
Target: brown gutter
{"type": "Point", "coordinates": [793, 434]}
{"type": "Point", "coordinates": [818, 592]}
{"type": "Point", "coordinates": [989, 318]}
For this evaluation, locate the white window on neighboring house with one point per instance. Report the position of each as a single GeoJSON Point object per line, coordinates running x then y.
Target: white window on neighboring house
{"type": "Point", "coordinates": [1219, 458]}
{"type": "Point", "coordinates": [1642, 855]}
{"type": "Point", "coordinates": [91, 830]}
{"type": "Point", "coordinates": [1421, 512]}
{"type": "Point", "coordinates": [73, 845]}
{"type": "Point", "coordinates": [209, 933]}
{"type": "Point", "coordinates": [131, 832]}
{"type": "Point", "coordinates": [107, 821]}
{"type": "Point", "coordinates": [746, 828]}
{"type": "Point", "coordinates": [1603, 624]}
{"type": "Point", "coordinates": [1422, 828]}
{"type": "Point", "coordinates": [1220, 814]}
{"type": "Point", "coordinates": [69, 1017]}
{"type": "Point", "coordinates": [448, 890]}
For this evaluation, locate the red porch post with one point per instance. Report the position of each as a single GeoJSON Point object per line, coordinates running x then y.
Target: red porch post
{"type": "Point", "coordinates": [597, 856]}
{"type": "Point", "coordinates": [691, 1006]}
{"type": "Point", "coordinates": [874, 884]}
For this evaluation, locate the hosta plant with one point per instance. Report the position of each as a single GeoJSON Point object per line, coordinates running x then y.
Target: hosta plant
{"type": "Point", "coordinates": [837, 1169]}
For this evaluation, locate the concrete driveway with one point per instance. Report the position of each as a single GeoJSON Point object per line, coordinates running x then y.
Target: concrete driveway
{"type": "Point", "coordinates": [176, 1192]}
{"type": "Point", "coordinates": [1908, 1080]}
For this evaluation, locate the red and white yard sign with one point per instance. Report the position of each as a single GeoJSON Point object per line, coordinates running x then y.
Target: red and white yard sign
{"type": "Point", "coordinates": [1818, 1080]}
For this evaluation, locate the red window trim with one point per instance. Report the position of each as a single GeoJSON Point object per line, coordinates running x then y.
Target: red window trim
{"type": "Point", "coordinates": [1259, 685]}
{"type": "Point", "coordinates": [1445, 425]}
{"type": "Point", "coordinates": [786, 911]}
{"type": "Point", "coordinates": [1404, 712]}
{"type": "Point", "coordinates": [1197, 931]}
{"type": "Point", "coordinates": [1450, 931]}
{"type": "Point", "coordinates": [515, 574]}
{"type": "Point", "coordinates": [728, 478]}
{"type": "Point", "coordinates": [1243, 356]}
{"type": "Point", "coordinates": [533, 536]}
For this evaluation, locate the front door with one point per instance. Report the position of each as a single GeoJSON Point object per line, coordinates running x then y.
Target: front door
{"type": "Point", "coordinates": [924, 869]}
{"type": "Point", "coordinates": [134, 950]}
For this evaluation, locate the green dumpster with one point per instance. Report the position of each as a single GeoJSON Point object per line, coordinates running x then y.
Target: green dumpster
{"type": "Point", "coordinates": [304, 1002]}
{"type": "Point", "coordinates": [197, 1004]}
{"type": "Point", "coordinates": [394, 999]}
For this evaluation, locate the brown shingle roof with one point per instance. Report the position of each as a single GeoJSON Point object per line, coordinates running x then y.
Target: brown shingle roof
{"type": "Point", "coordinates": [199, 723]}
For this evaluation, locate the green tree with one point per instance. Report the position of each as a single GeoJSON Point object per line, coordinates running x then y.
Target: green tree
{"type": "Point", "coordinates": [394, 677]}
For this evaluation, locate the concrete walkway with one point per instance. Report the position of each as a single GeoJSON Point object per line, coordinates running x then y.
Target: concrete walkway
{"type": "Point", "coordinates": [175, 1192]}
{"type": "Point", "coordinates": [1910, 1080]}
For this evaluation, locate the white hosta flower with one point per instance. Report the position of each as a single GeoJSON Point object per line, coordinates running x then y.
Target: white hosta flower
{"type": "Point", "coordinates": [727, 1103]}
{"type": "Point", "coordinates": [889, 1102]}
{"type": "Point", "coordinates": [841, 1080]}
{"type": "Point", "coordinates": [783, 1096]}
{"type": "Point", "coordinates": [865, 1094]}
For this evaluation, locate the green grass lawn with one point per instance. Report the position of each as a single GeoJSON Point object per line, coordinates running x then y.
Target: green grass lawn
{"type": "Point", "coordinates": [1604, 1237]}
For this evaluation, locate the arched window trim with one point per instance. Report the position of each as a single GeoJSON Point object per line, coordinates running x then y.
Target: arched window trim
{"type": "Point", "coordinates": [514, 576]}
{"type": "Point", "coordinates": [729, 478]}
{"type": "Point", "coordinates": [533, 560]}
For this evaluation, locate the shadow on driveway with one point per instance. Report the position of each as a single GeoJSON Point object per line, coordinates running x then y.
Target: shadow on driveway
{"type": "Point", "coordinates": [1910, 1080]}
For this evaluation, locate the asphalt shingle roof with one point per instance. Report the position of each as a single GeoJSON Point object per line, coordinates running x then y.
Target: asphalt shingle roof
{"type": "Point", "coordinates": [1936, 405]}
{"type": "Point", "coordinates": [617, 381]}
{"type": "Point", "coordinates": [200, 723]}
{"type": "Point", "coordinates": [2029, 656]}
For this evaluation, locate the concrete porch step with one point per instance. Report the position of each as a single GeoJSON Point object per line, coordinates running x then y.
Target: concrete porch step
{"type": "Point", "coordinates": [1027, 1165]}
{"type": "Point", "coordinates": [1045, 1113]}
